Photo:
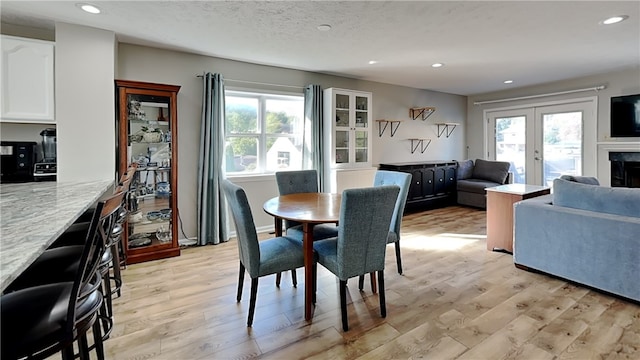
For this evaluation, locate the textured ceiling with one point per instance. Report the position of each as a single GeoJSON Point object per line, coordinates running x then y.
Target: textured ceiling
{"type": "Point", "coordinates": [481, 43]}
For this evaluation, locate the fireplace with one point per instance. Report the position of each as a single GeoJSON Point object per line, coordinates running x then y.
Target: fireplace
{"type": "Point", "coordinates": [625, 169]}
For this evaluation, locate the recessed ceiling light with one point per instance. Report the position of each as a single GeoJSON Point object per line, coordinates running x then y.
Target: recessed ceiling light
{"type": "Point", "coordinates": [92, 9]}
{"type": "Point", "coordinates": [437, 65]}
{"type": "Point", "coordinates": [324, 27]}
{"type": "Point", "coordinates": [371, 62]}
{"type": "Point", "coordinates": [615, 19]}
{"type": "Point", "coordinates": [508, 81]}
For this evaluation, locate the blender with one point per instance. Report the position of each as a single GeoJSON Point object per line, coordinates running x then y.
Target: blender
{"type": "Point", "coordinates": [46, 168]}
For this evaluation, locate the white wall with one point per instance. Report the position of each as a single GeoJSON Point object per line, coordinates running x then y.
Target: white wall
{"type": "Point", "coordinates": [85, 111]}
{"type": "Point", "coordinates": [623, 82]}
{"type": "Point", "coordinates": [389, 102]}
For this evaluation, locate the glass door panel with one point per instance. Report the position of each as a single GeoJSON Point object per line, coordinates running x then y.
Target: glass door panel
{"type": "Point", "coordinates": [342, 146]}
{"type": "Point", "coordinates": [361, 148]}
{"type": "Point", "coordinates": [562, 145]}
{"type": "Point", "coordinates": [510, 143]}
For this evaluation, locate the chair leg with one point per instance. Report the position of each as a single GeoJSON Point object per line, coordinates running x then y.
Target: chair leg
{"type": "Point", "coordinates": [83, 347]}
{"type": "Point", "coordinates": [361, 282]}
{"type": "Point", "coordinates": [343, 305]}
{"type": "Point", "coordinates": [240, 281]}
{"type": "Point", "coordinates": [383, 303]}
{"type": "Point", "coordinates": [398, 257]}
{"type": "Point", "coordinates": [97, 340]}
{"type": "Point", "coordinates": [117, 276]}
{"type": "Point", "coordinates": [67, 352]}
{"type": "Point", "coordinates": [294, 278]}
{"type": "Point", "coordinates": [372, 277]}
{"type": "Point", "coordinates": [252, 301]}
{"type": "Point", "coordinates": [278, 278]}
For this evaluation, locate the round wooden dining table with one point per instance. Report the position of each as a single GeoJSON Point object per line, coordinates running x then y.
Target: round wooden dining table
{"type": "Point", "coordinates": [308, 209]}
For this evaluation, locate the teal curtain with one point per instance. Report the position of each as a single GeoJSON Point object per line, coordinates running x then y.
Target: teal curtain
{"type": "Point", "coordinates": [313, 137]}
{"type": "Point", "coordinates": [211, 203]}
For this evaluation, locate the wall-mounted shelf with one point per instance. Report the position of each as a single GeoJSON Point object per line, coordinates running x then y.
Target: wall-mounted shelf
{"type": "Point", "coordinates": [425, 112]}
{"type": "Point", "coordinates": [419, 143]}
{"type": "Point", "coordinates": [382, 128]}
{"type": "Point", "coordinates": [446, 128]}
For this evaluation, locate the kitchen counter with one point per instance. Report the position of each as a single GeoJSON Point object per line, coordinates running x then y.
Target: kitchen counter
{"type": "Point", "coordinates": [33, 215]}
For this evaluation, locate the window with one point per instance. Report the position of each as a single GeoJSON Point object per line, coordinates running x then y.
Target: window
{"type": "Point", "coordinates": [263, 132]}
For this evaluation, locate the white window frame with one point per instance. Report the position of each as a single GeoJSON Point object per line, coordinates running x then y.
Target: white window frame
{"type": "Point", "coordinates": [261, 135]}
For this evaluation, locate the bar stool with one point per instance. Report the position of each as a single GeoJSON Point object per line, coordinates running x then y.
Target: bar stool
{"type": "Point", "coordinates": [42, 320]}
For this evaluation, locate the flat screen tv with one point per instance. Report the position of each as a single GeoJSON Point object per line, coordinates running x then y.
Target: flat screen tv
{"type": "Point", "coordinates": [625, 116]}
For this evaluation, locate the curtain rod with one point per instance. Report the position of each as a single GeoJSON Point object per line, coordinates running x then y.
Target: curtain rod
{"type": "Point", "coordinates": [594, 88]}
{"type": "Point", "coordinates": [260, 83]}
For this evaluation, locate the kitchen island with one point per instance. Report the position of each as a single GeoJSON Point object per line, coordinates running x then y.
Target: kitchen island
{"type": "Point", "coordinates": [33, 215]}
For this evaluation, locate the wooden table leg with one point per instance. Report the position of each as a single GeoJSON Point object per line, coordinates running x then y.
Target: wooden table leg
{"type": "Point", "coordinates": [307, 244]}
{"type": "Point", "coordinates": [278, 226]}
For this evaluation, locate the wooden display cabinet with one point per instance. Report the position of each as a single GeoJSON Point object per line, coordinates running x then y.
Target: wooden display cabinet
{"type": "Point", "coordinates": [147, 134]}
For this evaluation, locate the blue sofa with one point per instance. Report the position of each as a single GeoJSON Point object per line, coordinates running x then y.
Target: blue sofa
{"type": "Point", "coordinates": [588, 234]}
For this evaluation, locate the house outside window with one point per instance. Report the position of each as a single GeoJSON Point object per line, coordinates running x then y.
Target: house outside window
{"type": "Point", "coordinates": [263, 132]}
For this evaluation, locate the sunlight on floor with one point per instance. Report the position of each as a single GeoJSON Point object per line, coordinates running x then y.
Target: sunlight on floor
{"type": "Point", "coordinates": [444, 241]}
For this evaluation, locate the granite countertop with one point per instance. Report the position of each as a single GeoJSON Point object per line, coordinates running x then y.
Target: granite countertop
{"type": "Point", "coordinates": [33, 215]}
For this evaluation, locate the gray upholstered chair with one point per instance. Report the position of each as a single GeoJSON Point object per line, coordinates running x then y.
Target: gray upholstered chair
{"type": "Point", "coordinates": [403, 180]}
{"type": "Point", "coordinates": [473, 179]}
{"type": "Point", "coordinates": [258, 258]}
{"type": "Point", "coordinates": [359, 248]}
{"type": "Point", "coordinates": [301, 181]}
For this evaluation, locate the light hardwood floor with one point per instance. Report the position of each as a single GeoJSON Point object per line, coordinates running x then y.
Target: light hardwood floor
{"type": "Point", "coordinates": [456, 300]}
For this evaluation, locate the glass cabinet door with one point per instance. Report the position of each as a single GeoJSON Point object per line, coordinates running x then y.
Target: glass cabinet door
{"type": "Point", "coordinates": [147, 126]}
{"type": "Point", "coordinates": [150, 146]}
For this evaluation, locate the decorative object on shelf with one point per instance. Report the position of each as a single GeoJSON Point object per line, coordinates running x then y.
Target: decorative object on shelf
{"type": "Point", "coordinates": [415, 143]}
{"type": "Point", "coordinates": [163, 189]}
{"type": "Point", "coordinates": [135, 217]}
{"type": "Point", "coordinates": [425, 112]}
{"type": "Point", "coordinates": [135, 110]}
{"type": "Point", "coordinates": [154, 215]}
{"type": "Point", "coordinates": [447, 128]}
{"type": "Point", "coordinates": [151, 135]}
{"type": "Point", "coordinates": [163, 234]}
{"type": "Point", "coordinates": [381, 128]}
{"type": "Point", "coordinates": [161, 115]}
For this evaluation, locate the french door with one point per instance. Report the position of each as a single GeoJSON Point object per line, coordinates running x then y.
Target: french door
{"type": "Point", "coordinates": [545, 141]}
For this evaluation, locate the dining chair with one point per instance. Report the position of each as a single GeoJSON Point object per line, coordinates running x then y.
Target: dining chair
{"type": "Point", "coordinates": [359, 248]}
{"type": "Point", "coordinates": [258, 258]}
{"type": "Point", "coordinates": [42, 320]}
{"type": "Point", "coordinates": [301, 181]}
{"type": "Point", "coordinates": [403, 180]}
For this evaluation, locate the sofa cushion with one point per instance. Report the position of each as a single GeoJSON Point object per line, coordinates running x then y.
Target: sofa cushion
{"type": "Point", "coordinates": [465, 169]}
{"type": "Point", "coordinates": [610, 200]}
{"type": "Point", "coordinates": [589, 180]}
{"type": "Point", "coordinates": [495, 171]}
{"type": "Point", "coordinates": [474, 185]}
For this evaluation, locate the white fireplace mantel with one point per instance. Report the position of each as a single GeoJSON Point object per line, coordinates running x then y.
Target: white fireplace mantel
{"type": "Point", "coordinates": [604, 165]}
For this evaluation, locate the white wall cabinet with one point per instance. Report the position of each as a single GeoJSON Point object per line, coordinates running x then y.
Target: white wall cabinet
{"type": "Point", "coordinates": [348, 128]}
{"type": "Point", "coordinates": [348, 114]}
{"type": "Point", "coordinates": [27, 80]}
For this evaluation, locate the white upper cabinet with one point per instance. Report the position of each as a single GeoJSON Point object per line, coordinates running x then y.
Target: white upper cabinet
{"type": "Point", "coordinates": [27, 80]}
{"type": "Point", "coordinates": [347, 119]}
